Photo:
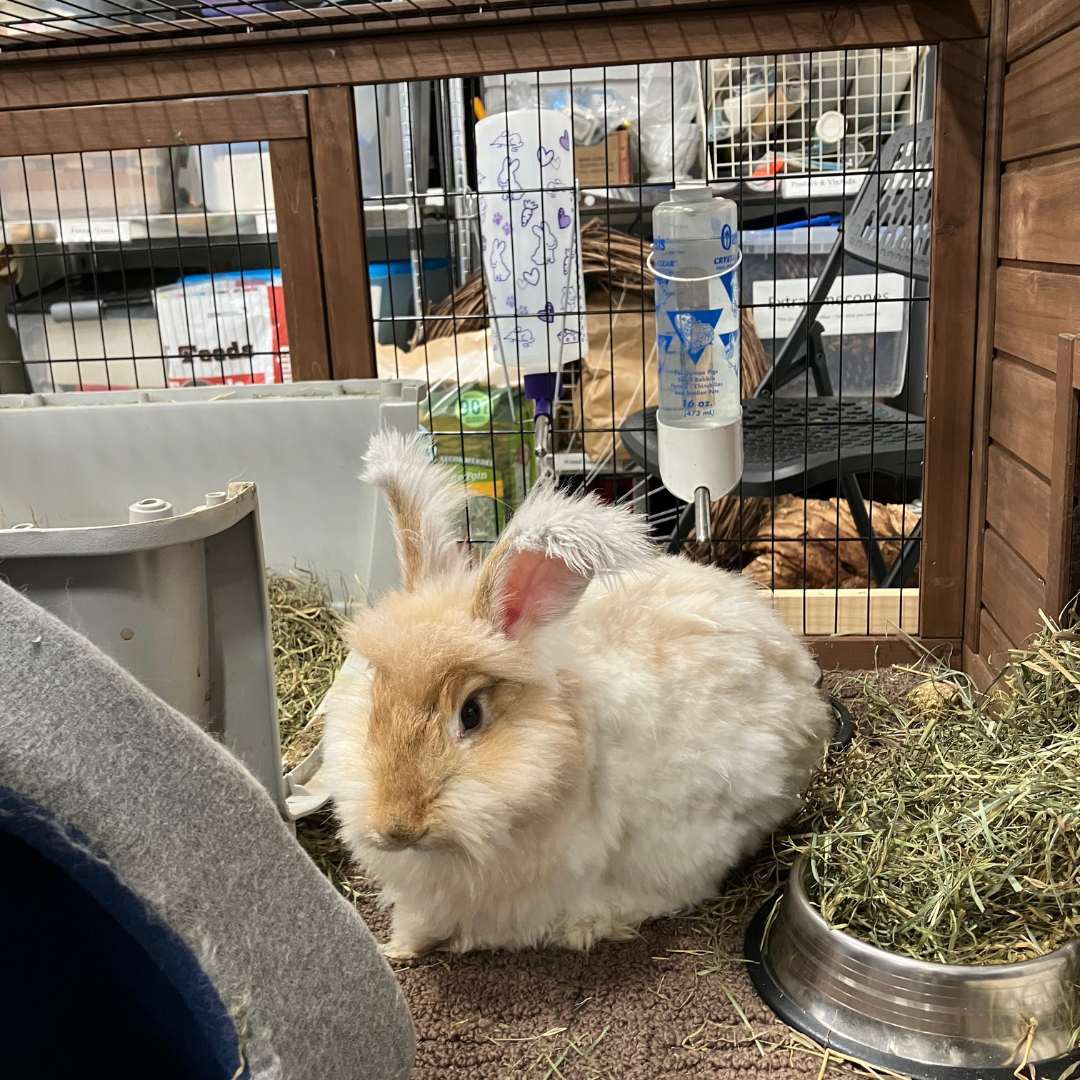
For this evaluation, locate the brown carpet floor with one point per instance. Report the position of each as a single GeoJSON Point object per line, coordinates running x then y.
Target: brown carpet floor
{"type": "Point", "coordinates": [676, 1003]}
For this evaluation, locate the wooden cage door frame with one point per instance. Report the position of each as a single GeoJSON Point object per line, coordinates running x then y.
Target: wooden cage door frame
{"type": "Point", "coordinates": [339, 205]}
{"type": "Point", "coordinates": [473, 43]}
{"type": "Point", "coordinates": [335, 281]}
{"type": "Point", "coordinates": [959, 135]}
{"type": "Point", "coordinates": [315, 170]}
{"type": "Point", "coordinates": [987, 304]}
{"type": "Point", "coordinates": [1063, 477]}
{"type": "Point", "coordinates": [299, 258]}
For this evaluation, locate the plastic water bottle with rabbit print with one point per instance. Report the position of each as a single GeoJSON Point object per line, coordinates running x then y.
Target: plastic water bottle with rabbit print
{"type": "Point", "coordinates": [699, 419]}
{"type": "Point", "coordinates": [530, 236]}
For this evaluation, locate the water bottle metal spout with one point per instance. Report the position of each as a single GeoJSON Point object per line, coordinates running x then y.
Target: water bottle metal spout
{"type": "Point", "coordinates": [702, 516]}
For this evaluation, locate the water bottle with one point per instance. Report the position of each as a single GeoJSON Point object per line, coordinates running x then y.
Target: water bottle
{"type": "Point", "coordinates": [699, 418]}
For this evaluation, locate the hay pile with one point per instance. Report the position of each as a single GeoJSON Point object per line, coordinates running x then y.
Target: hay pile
{"type": "Point", "coordinates": [308, 653]}
{"type": "Point", "coordinates": [953, 832]}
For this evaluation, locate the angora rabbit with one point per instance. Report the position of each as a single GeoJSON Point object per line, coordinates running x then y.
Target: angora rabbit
{"type": "Point", "coordinates": [573, 737]}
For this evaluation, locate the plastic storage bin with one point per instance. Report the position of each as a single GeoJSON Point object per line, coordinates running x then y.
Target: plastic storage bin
{"type": "Point", "coordinates": [865, 337]}
{"type": "Point", "coordinates": [236, 177]}
{"type": "Point", "coordinates": [81, 197]}
{"type": "Point", "coordinates": [391, 298]}
{"type": "Point", "coordinates": [392, 295]}
{"type": "Point", "coordinates": [77, 460]}
{"type": "Point", "coordinates": [83, 334]}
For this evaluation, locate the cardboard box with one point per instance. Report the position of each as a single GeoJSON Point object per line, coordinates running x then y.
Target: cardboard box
{"type": "Point", "coordinates": [224, 329]}
{"type": "Point", "coordinates": [607, 164]}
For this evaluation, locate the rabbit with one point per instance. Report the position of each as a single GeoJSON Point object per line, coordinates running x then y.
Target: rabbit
{"type": "Point", "coordinates": [574, 736]}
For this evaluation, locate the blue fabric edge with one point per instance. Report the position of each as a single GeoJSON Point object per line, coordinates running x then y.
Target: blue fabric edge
{"type": "Point", "coordinates": [68, 848]}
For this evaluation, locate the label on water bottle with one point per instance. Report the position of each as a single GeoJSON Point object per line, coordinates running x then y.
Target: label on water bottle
{"type": "Point", "coordinates": [692, 390]}
{"type": "Point", "coordinates": [698, 345]}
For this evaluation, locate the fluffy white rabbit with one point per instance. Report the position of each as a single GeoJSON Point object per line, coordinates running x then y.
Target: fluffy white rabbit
{"type": "Point", "coordinates": [574, 736]}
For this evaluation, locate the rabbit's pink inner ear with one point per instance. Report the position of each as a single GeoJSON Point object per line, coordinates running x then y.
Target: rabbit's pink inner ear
{"type": "Point", "coordinates": [536, 589]}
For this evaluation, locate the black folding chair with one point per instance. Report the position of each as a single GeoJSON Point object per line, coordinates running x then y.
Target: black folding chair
{"type": "Point", "coordinates": [792, 444]}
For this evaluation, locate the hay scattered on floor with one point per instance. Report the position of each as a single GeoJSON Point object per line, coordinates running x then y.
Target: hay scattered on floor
{"type": "Point", "coordinates": [317, 834]}
{"type": "Point", "coordinates": [547, 1055]}
{"type": "Point", "coordinates": [308, 653]}
{"type": "Point", "coordinates": [953, 832]}
{"type": "Point", "coordinates": [476, 1016]}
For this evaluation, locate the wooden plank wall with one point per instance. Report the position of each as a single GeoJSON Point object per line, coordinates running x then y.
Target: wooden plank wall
{"type": "Point", "coordinates": [1022, 501]}
{"type": "Point", "coordinates": [472, 42]}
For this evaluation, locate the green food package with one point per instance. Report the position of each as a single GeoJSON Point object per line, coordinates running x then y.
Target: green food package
{"type": "Point", "coordinates": [476, 430]}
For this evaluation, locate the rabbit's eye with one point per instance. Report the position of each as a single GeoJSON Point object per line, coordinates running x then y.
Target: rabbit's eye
{"type": "Point", "coordinates": [471, 714]}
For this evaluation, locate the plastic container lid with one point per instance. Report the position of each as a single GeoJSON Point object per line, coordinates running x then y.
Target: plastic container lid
{"type": "Point", "coordinates": [813, 240]}
{"type": "Point", "coordinates": [830, 127]}
{"type": "Point", "coordinates": [691, 191]}
{"type": "Point", "coordinates": [232, 277]}
{"type": "Point", "coordinates": [402, 267]}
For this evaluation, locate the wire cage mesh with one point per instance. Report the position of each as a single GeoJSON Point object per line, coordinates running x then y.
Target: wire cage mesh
{"type": "Point", "coordinates": [483, 278]}
{"type": "Point", "coordinates": [824, 534]}
{"type": "Point", "coordinates": [809, 113]}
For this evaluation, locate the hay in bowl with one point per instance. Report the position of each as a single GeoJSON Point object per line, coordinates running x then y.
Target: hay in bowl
{"type": "Point", "coordinates": [308, 653]}
{"type": "Point", "coordinates": [951, 832]}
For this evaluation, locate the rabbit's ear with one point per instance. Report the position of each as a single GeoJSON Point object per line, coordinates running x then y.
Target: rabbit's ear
{"type": "Point", "coordinates": [552, 548]}
{"type": "Point", "coordinates": [424, 501]}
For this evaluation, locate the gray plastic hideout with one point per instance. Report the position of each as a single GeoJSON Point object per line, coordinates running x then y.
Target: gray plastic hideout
{"type": "Point", "coordinates": [133, 517]}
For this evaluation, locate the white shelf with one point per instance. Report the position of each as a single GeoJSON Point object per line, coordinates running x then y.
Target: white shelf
{"type": "Point", "coordinates": [192, 224]}
{"type": "Point", "coordinates": [124, 230]}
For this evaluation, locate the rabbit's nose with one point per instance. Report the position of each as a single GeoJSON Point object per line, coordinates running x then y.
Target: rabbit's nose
{"type": "Point", "coordinates": [402, 835]}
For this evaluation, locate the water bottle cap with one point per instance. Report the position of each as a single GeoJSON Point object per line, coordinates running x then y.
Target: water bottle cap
{"type": "Point", "coordinates": [691, 191]}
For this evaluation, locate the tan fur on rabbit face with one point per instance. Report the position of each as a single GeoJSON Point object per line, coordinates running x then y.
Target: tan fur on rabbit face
{"type": "Point", "coordinates": [431, 783]}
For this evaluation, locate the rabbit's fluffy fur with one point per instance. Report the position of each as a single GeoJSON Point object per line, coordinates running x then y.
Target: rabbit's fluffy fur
{"type": "Point", "coordinates": [646, 722]}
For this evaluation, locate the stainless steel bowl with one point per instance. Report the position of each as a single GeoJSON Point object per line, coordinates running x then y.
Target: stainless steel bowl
{"type": "Point", "coordinates": [918, 1018]}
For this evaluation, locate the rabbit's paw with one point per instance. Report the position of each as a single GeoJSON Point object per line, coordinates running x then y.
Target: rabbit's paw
{"type": "Point", "coordinates": [407, 944]}
{"type": "Point", "coordinates": [412, 934]}
{"type": "Point", "coordinates": [403, 950]}
{"type": "Point", "coordinates": [581, 934]}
